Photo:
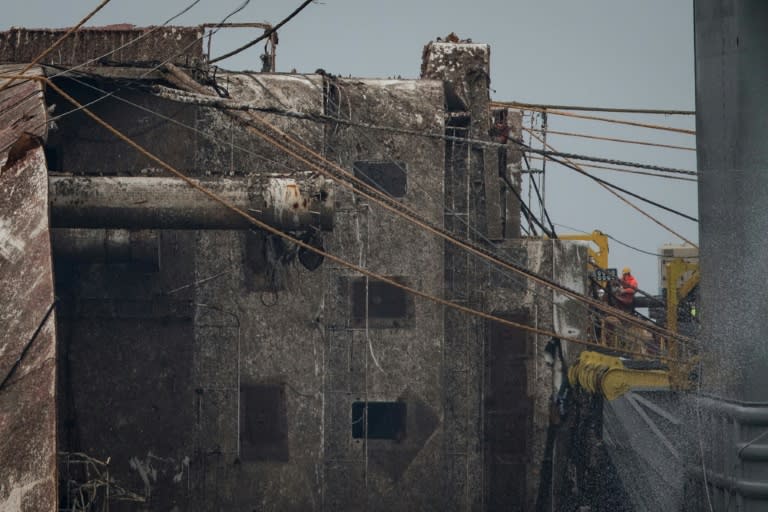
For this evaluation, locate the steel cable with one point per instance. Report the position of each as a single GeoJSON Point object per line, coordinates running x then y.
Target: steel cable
{"type": "Point", "coordinates": [597, 118]}
{"type": "Point", "coordinates": [628, 171]}
{"type": "Point", "coordinates": [265, 35]}
{"type": "Point", "coordinates": [612, 139]}
{"type": "Point", "coordinates": [612, 312]}
{"type": "Point", "coordinates": [348, 180]}
{"type": "Point", "coordinates": [665, 112]}
{"type": "Point", "coordinates": [336, 106]}
{"type": "Point", "coordinates": [54, 45]}
{"type": "Point", "coordinates": [572, 165]}
{"type": "Point", "coordinates": [262, 225]}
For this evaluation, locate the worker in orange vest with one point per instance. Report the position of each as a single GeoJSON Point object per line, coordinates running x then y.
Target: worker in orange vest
{"type": "Point", "coordinates": [628, 284]}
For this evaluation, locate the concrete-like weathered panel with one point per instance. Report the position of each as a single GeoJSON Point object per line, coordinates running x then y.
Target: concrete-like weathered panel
{"type": "Point", "coordinates": [71, 148]}
{"type": "Point", "coordinates": [225, 146]}
{"type": "Point", "coordinates": [402, 361]}
{"type": "Point", "coordinates": [260, 324]}
{"type": "Point", "coordinates": [465, 66]}
{"type": "Point", "coordinates": [241, 314]}
{"type": "Point", "coordinates": [28, 336]}
{"type": "Point", "coordinates": [565, 263]}
{"type": "Point", "coordinates": [125, 331]}
{"type": "Point", "coordinates": [22, 109]}
{"type": "Point", "coordinates": [569, 268]}
{"type": "Point", "coordinates": [27, 332]}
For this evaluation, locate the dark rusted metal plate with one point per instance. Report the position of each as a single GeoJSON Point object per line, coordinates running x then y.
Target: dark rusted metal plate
{"type": "Point", "coordinates": [28, 397]}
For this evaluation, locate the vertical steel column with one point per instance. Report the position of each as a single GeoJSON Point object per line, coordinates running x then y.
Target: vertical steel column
{"type": "Point", "coordinates": [730, 465]}
{"type": "Point", "coordinates": [731, 38]}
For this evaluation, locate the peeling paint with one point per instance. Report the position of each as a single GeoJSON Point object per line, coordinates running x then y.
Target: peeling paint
{"type": "Point", "coordinates": [183, 466]}
{"type": "Point", "coordinates": [147, 473]}
{"type": "Point", "coordinates": [152, 467]}
{"type": "Point", "coordinates": [11, 247]}
{"type": "Point", "coordinates": [18, 490]}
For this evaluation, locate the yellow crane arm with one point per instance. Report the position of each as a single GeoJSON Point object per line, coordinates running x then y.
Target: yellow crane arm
{"type": "Point", "coordinates": [597, 237]}
{"type": "Point", "coordinates": [607, 375]}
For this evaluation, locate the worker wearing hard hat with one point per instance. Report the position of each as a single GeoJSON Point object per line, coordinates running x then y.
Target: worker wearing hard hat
{"type": "Point", "coordinates": [628, 287]}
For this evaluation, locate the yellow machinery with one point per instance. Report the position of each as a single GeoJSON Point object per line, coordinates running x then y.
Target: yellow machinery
{"type": "Point", "coordinates": [598, 257]}
{"type": "Point", "coordinates": [676, 271]}
{"type": "Point", "coordinates": [609, 375]}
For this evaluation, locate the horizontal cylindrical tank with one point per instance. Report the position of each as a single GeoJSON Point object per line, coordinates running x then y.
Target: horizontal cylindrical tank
{"type": "Point", "coordinates": [287, 203]}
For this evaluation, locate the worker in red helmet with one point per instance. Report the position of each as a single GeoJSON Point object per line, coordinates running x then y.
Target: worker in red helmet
{"type": "Point", "coordinates": [627, 289]}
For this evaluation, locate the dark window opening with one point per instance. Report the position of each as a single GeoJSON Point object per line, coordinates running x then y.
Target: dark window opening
{"type": "Point", "coordinates": [53, 158]}
{"type": "Point", "coordinates": [389, 177]}
{"type": "Point", "coordinates": [263, 424]}
{"type": "Point", "coordinates": [384, 420]}
{"type": "Point", "coordinates": [387, 305]}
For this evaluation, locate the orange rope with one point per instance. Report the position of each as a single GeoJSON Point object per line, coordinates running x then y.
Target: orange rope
{"type": "Point", "coordinates": [363, 271]}
{"type": "Point", "coordinates": [619, 169]}
{"type": "Point", "coordinates": [413, 218]}
{"type": "Point", "coordinates": [262, 225]}
{"type": "Point", "coordinates": [604, 109]}
{"type": "Point", "coordinates": [498, 104]}
{"type": "Point", "coordinates": [651, 217]}
{"type": "Point", "coordinates": [625, 141]}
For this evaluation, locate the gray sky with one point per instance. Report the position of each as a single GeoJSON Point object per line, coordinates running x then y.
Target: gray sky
{"type": "Point", "coordinates": [599, 53]}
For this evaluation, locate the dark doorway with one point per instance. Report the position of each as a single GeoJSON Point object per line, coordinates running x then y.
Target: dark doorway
{"type": "Point", "coordinates": [508, 415]}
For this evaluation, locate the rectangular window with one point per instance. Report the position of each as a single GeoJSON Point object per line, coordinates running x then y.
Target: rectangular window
{"type": "Point", "coordinates": [263, 423]}
{"type": "Point", "coordinates": [378, 420]}
{"type": "Point", "coordinates": [389, 177]}
{"type": "Point", "coordinates": [388, 305]}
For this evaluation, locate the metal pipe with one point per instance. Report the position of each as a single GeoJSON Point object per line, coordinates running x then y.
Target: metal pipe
{"type": "Point", "coordinates": [751, 414]}
{"type": "Point", "coordinates": [289, 203]}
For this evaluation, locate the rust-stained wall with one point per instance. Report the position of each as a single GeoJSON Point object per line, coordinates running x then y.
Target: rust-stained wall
{"type": "Point", "coordinates": [137, 45]}
{"type": "Point", "coordinates": [369, 362]}
{"type": "Point", "coordinates": [242, 333]}
{"type": "Point", "coordinates": [229, 335]}
{"type": "Point", "coordinates": [303, 337]}
{"type": "Point", "coordinates": [248, 335]}
{"type": "Point", "coordinates": [28, 334]}
{"type": "Point", "coordinates": [71, 147]}
{"type": "Point", "coordinates": [526, 418]}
